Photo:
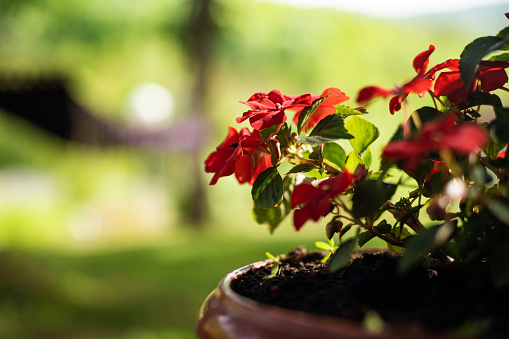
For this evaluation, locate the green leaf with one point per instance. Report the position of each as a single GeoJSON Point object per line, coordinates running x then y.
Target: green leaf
{"type": "Point", "coordinates": [335, 155]}
{"type": "Point", "coordinates": [504, 34]}
{"type": "Point", "coordinates": [343, 255]}
{"type": "Point", "coordinates": [267, 132]}
{"type": "Point", "coordinates": [307, 112]}
{"type": "Point", "coordinates": [275, 269]}
{"type": "Point", "coordinates": [275, 215]}
{"type": "Point", "coordinates": [426, 114]}
{"type": "Point", "coordinates": [409, 214]}
{"type": "Point", "coordinates": [422, 171]}
{"type": "Point", "coordinates": [500, 57]}
{"type": "Point", "coordinates": [352, 162]}
{"type": "Point", "coordinates": [473, 54]}
{"type": "Point", "coordinates": [436, 183]}
{"type": "Point", "coordinates": [363, 132]}
{"type": "Point", "coordinates": [367, 158]}
{"type": "Point", "coordinates": [302, 168]}
{"type": "Point", "coordinates": [330, 128]}
{"type": "Point", "coordinates": [424, 243]}
{"type": "Point", "coordinates": [493, 148]}
{"type": "Point", "coordinates": [271, 256]}
{"type": "Point", "coordinates": [452, 249]}
{"type": "Point", "coordinates": [322, 245]}
{"type": "Point", "coordinates": [317, 153]}
{"type": "Point", "coordinates": [500, 208]}
{"type": "Point", "coordinates": [479, 98]}
{"type": "Point", "coordinates": [369, 196]}
{"type": "Point", "coordinates": [383, 228]}
{"type": "Point", "coordinates": [500, 125]}
{"type": "Point", "coordinates": [267, 189]}
{"type": "Point", "coordinates": [283, 133]}
{"type": "Point", "coordinates": [402, 233]}
{"type": "Point", "coordinates": [346, 111]}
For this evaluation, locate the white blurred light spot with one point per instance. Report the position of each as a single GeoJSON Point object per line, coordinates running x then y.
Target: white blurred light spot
{"type": "Point", "coordinates": [84, 222]}
{"type": "Point", "coordinates": [151, 103]}
{"type": "Point", "coordinates": [456, 189]}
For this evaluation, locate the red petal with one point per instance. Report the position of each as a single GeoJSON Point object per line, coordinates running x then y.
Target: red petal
{"type": "Point", "coordinates": [492, 79]}
{"type": "Point", "coordinates": [416, 86]}
{"type": "Point", "coordinates": [421, 61]}
{"type": "Point", "coordinates": [395, 103]}
{"type": "Point", "coordinates": [304, 100]}
{"type": "Point", "coordinates": [259, 101]}
{"type": "Point", "coordinates": [276, 96]}
{"type": "Point", "coordinates": [244, 169]}
{"type": "Point", "coordinates": [336, 96]}
{"type": "Point", "coordinates": [300, 216]}
{"type": "Point", "coordinates": [370, 92]}
{"type": "Point", "coordinates": [304, 193]}
{"type": "Point", "coordinates": [341, 183]}
{"type": "Point", "coordinates": [448, 82]}
{"type": "Point", "coordinates": [466, 139]}
{"type": "Point", "coordinates": [262, 164]}
{"type": "Point", "coordinates": [268, 119]}
{"type": "Point", "coordinates": [452, 64]}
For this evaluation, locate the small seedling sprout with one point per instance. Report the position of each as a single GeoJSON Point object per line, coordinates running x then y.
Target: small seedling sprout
{"type": "Point", "coordinates": [275, 270]}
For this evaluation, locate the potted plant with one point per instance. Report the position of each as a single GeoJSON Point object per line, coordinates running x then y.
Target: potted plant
{"type": "Point", "coordinates": [438, 195]}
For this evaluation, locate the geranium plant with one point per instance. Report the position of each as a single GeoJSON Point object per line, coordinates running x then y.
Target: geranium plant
{"type": "Point", "coordinates": [439, 189]}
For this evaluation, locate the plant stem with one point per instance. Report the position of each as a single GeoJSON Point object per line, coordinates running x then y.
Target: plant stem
{"type": "Point", "coordinates": [369, 228]}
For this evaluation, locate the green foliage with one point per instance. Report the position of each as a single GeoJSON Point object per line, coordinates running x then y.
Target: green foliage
{"type": "Point", "coordinates": [346, 111]}
{"type": "Point", "coordinates": [275, 215]}
{"type": "Point", "coordinates": [302, 168]}
{"type": "Point", "coordinates": [329, 246]}
{"type": "Point", "coordinates": [476, 51]}
{"type": "Point", "coordinates": [330, 128]}
{"type": "Point", "coordinates": [493, 148]}
{"type": "Point", "coordinates": [334, 154]}
{"type": "Point", "coordinates": [353, 161]}
{"type": "Point", "coordinates": [422, 244]}
{"type": "Point", "coordinates": [343, 255]}
{"type": "Point", "coordinates": [276, 264]}
{"type": "Point", "coordinates": [369, 196]}
{"type": "Point", "coordinates": [382, 228]}
{"type": "Point", "coordinates": [500, 125]}
{"type": "Point", "coordinates": [307, 112]}
{"type": "Point", "coordinates": [267, 189]}
{"type": "Point", "coordinates": [364, 133]}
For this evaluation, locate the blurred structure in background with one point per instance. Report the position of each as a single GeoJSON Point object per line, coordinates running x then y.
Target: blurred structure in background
{"type": "Point", "coordinates": [47, 104]}
{"type": "Point", "coordinates": [199, 35]}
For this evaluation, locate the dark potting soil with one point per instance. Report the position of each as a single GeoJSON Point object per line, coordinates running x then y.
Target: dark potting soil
{"type": "Point", "coordinates": [435, 298]}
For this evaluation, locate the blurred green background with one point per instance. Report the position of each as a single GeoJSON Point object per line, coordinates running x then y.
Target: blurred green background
{"type": "Point", "coordinates": [101, 238]}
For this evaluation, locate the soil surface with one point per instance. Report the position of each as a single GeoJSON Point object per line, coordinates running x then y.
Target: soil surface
{"type": "Point", "coordinates": [435, 298]}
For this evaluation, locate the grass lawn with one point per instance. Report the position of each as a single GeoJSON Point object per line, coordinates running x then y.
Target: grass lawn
{"type": "Point", "coordinates": [149, 291]}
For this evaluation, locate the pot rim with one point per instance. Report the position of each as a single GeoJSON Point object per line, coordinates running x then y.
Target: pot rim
{"type": "Point", "coordinates": [329, 325]}
{"type": "Point", "coordinates": [232, 315]}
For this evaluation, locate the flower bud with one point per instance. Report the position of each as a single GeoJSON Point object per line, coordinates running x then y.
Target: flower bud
{"type": "Point", "coordinates": [436, 209]}
{"type": "Point", "coordinates": [275, 151]}
{"type": "Point", "coordinates": [333, 227]}
{"type": "Point", "coordinates": [360, 173]}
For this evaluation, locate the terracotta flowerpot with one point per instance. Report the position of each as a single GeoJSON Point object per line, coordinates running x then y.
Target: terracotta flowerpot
{"type": "Point", "coordinates": [225, 314]}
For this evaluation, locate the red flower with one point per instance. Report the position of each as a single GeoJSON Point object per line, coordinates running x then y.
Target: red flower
{"type": "Point", "coordinates": [268, 110]}
{"type": "Point", "coordinates": [240, 153]}
{"type": "Point", "coordinates": [434, 136]}
{"type": "Point", "coordinates": [314, 201]}
{"type": "Point", "coordinates": [327, 107]}
{"type": "Point", "coordinates": [419, 84]}
{"type": "Point", "coordinates": [490, 74]}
